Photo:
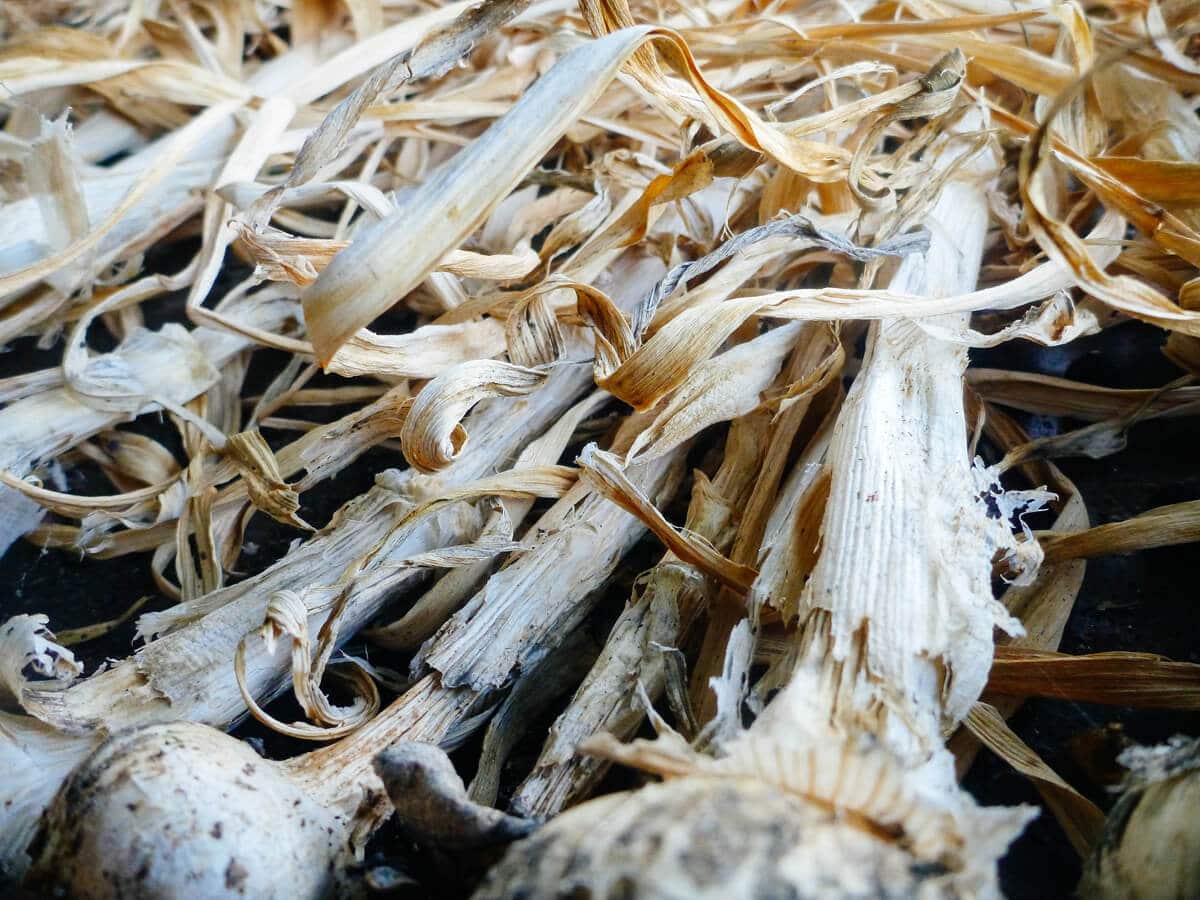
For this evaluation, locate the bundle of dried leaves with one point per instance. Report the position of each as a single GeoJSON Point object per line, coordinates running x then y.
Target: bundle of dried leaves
{"type": "Point", "coordinates": [593, 276]}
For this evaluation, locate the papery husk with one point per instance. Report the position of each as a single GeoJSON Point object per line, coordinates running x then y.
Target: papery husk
{"type": "Point", "coordinates": [1043, 607]}
{"type": "Point", "coordinates": [31, 658]}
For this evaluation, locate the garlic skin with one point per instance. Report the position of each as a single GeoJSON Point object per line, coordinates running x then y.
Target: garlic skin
{"type": "Point", "coordinates": [156, 808]}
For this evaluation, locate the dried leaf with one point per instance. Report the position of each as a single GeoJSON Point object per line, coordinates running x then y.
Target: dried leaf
{"type": "Point", "coordinates": [1118, 678]}
{"type": "Point", "coordinates": [609, 477]}
{"type": "Point", "coordinates": [267, 489]}
{"type": "Point", "coordinates": [1080, 818]}
{"type": "Point", "coordinates": [1163, 526]}
{"type": "Point", "coordinates": [433, 435]}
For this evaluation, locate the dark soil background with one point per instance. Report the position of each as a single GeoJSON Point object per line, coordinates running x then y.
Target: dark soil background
{"type": "Point", "coordinates": [1144, 601]}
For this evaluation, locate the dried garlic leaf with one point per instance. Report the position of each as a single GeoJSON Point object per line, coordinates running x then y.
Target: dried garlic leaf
{"type": "Point", "coordinates": [608, 475]}
{"type": "Point", "coordinates": [433, 436]}
{"type": "Point", "coordinates": [260, 469]}
{"type": "Point", "coordinates": [1117, 678]}
{"type": "Point", "coordinates": [1081, 819]}
{"type": "Point", "coordinates": [1163, 526]}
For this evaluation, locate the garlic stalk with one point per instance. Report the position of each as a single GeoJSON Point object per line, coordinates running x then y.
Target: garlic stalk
{"type": "Point", "coordinates": [207, 808]}
{"type": "Point", "coordinates": [434, 607]}
{"type": "Point", "coordinates": [659, 614]}
{"type": "Point", "coordinates": [843, 786]}
{"type": "Point", "coordinates": [769, 517]}
{"type": "Point", "coordinates": [641, 645]}
{"type": "Point", "coordinates": [530, 695]}
{"type": "Point", "coordinates": [526, 608]}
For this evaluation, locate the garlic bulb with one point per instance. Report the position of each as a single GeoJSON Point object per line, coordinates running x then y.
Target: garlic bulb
{"type": "Point", "coordinates": [166, 809]}
{"type": "Point", "coordinates": [705, 838]}
{"type": "Point", "coordinates": [1151, 843]}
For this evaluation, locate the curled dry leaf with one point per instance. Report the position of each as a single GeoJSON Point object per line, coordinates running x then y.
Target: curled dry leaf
{"type": "Point", "coordinates": [345, 298]}
{"type": "Point", "coordinates": [433, 435]}
{"type": "Point", "coordinates": [264, 483]}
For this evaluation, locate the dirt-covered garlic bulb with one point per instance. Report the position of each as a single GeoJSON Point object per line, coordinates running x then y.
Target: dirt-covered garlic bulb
{"type": "Point", "coordinates": [706, 838]}
{"type": "Point", "coordinates": [181, 809]}
{"type": "Point", "coordinates": [1151, 843]}
{"type": "Point", "coordinates": [160, 808]}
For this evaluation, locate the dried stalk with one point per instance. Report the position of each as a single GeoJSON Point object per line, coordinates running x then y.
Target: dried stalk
{"type": "Point", "coordinates": [435, 606]}
{"type": "Point", "coordinates": [637, 658]}
{"type": "Point", "coordinates": [187, 674]}
{"type": "Point", "coordinates": [86, 830]}
{"type": "Point", "coordinates": [844, 781]}
{"type": "Point", "coordinates": [530, 695]}
{"type": "Point", "coordinates": [659, 614]}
